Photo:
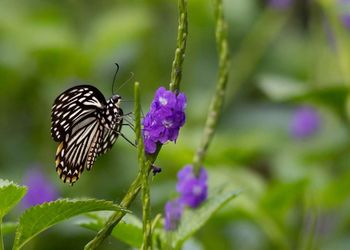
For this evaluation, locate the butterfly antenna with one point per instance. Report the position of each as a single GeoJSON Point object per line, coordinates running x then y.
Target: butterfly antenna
{"type": "Point", "coordinates": [130, 78]}
{"type": "Point", "coordinates": [115, 76]}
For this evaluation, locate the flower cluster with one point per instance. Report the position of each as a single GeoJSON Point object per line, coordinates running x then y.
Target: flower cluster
{"type": "Point", "coordinates": [40, 189]}
{"type": "Point", "coordinates": [305, 122]}
{"type": "Point", "coordinates": [162, 123]}
{"type": "Point", "coordinates": [193, 191]}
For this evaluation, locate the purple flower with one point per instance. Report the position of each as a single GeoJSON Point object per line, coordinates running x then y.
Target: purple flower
{"type": "Point", "coordinates": [305, 122]}
{"type": "Point", "coordinates": [193, 189]}
{"type": "Point", "coordinates": [346, 20]}
{"type": "Point", "coordinates": [173, 211]}
{"type": "Point", "coordinates": [280, 4]}
{"type": "Point", "coordinates": [40, 189]}
{"type": "Point", "coordinates": [162, 123]}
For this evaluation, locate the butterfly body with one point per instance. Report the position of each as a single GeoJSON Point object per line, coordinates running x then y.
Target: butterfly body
{"type": "Point", "coordinates": [86, 126]}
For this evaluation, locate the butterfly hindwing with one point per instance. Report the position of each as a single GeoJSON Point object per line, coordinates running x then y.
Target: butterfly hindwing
{"type": "Point", "coordinates": [78, 151]}
{"type": "Point", "coordinates": [111, 131]}
{"type": "Point", "coordinates": [107, 141]}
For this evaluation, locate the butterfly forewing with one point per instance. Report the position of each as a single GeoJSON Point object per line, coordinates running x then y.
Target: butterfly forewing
{"type": "Point", "coordinates": [73, 105]}
{"type": "Point", "coordinates": [86, 125]}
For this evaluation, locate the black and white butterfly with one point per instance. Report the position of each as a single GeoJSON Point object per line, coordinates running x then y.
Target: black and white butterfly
{"type": "Point", "coordinates": [86, 125]}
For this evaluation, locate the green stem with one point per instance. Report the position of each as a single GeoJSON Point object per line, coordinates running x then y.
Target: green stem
{"type": "Point", "coordinates": [182, 31]}
{"type": "Point", "coordinates": [135, 186]}
{"type": "Point", "coordinates": [310, 221]}
{"type": "Point", "coordinates": [218, 98]}
{"type": "Point", "coordinates": [146, 204]}
{"type": "Point", "coordinates": [1, 240]}
{"type": "Point", "coordinates": [129, 197]}
{"type": "Point", "coordinates": [342, 40]}
{"type": "Point", "coordinates": [115, 218]}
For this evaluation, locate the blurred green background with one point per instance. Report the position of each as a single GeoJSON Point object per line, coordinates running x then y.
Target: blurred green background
{"type": "Point", "coordinates": [295, 190]}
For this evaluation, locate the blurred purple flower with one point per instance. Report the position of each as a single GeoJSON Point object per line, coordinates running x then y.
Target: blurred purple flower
{"type": "Point", "coordinates": [344, 1]}
{"type": "Point", "coordinates": [344, 10]}
{"type": "Point", "coordinates": [173, 212]}
{"type": "Point", "coordinates": [40, 189]}
{"type": "Point", "coordinates": [305, 122]}
{"type": "Point", "coordinates": [193, 189]}
{"type": "Point", "coordinates": [280, 4]}
{"type": "Point", "coordinates": [162, 123]}
{"type": "Point", "coordinates": [346, 20]}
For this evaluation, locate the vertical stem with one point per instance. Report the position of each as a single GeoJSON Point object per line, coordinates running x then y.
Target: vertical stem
{"type": "Point", "coordinates": [182, 31]}
{"type": "Point", "coordinates": [218, 98]}
{"type": "Point", "coordinates": [1, 240]}
{"type": "Point", "coordinates": [342, 41]}
{"type": "Point", "coordinates": [146, 205]}
{"type": "Point", "coordinates": [115, 218]}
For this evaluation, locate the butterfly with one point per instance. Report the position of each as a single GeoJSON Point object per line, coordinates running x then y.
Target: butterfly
{"type": "Point", "coordinates": [86, 125]}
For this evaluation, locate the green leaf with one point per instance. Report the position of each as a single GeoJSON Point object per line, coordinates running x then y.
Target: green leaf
{"type": "Point", "coordinates": [8, 227]}
{"type": "Point", "coordinates": [38, 218]}
{"type": "Point", "coordinates": [10, 195]}
{"type": "Point", "coordinates": [284, 89]}
{"type": "Point", "coordinates": [129, 230]}
{"type": "Point", "coordinates": [280, 197]}
{"type": "Point", "coordinates": [193, 219]}
{"type": "Point", "coordinates": [280, 88]}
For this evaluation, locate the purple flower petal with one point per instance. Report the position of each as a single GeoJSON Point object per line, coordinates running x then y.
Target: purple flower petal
{"type": "Point", "coordinates": [305, 122]}
{"type": "Point", "coordinates": [173, 212]}
{"type": "Point", "coordinates": [346, 20]}
{"type": "Point", "coordinates": [40, 189]}
{"type": "Point", "coordinates": [181, 102]}
{"type": "Point", "coordinates": [193, 189]}
{"type": "Point", "coordinates": [162, 123]}
{"type": "Point", "coordinates": [163, 99]}
{"type": "Point", "coordinates": [183, 176]}
{"type": "Point", "coordinates": [194, 193]}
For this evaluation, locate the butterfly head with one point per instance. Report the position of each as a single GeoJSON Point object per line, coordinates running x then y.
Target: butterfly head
{"type": "Point", "coordinates": [116, 100]}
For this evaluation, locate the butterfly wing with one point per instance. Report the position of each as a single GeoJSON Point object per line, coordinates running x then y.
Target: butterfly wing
{"type": "Point", "coordinates": [108, 139]}
{"type": "Point", "coordinates": [76, 116]}
{"type": "Point", "coordinates": [82, 146]}
{"type": "Point", "coordinates": [111, 131]}
{"type": "Point", "coordinates": [72, 106]}
{"type": "Point", "coordinates": [79, 149]}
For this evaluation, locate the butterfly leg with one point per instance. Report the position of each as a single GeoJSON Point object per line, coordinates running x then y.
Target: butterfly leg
{"type": "Point", "coordinates": [126, 118]}
{"type": "Point", "coordinates": [122, 135]}
{"type": "Point", "coordinates": [129, 125]}
{"type": "Point", "coordinates": [128, 114]}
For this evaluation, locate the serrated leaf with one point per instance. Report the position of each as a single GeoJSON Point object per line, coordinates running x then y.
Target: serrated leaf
{"type": "Point", "coordinates": [38, 218]}
{"type": "Point", "coordinates": [193, 219]}
{"type": "Point", "coordinates": [10, 195]}
{"type": "Point", "coordinates": [129, 230]}
{"type": "Point", "coordinates": [8, 227]}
